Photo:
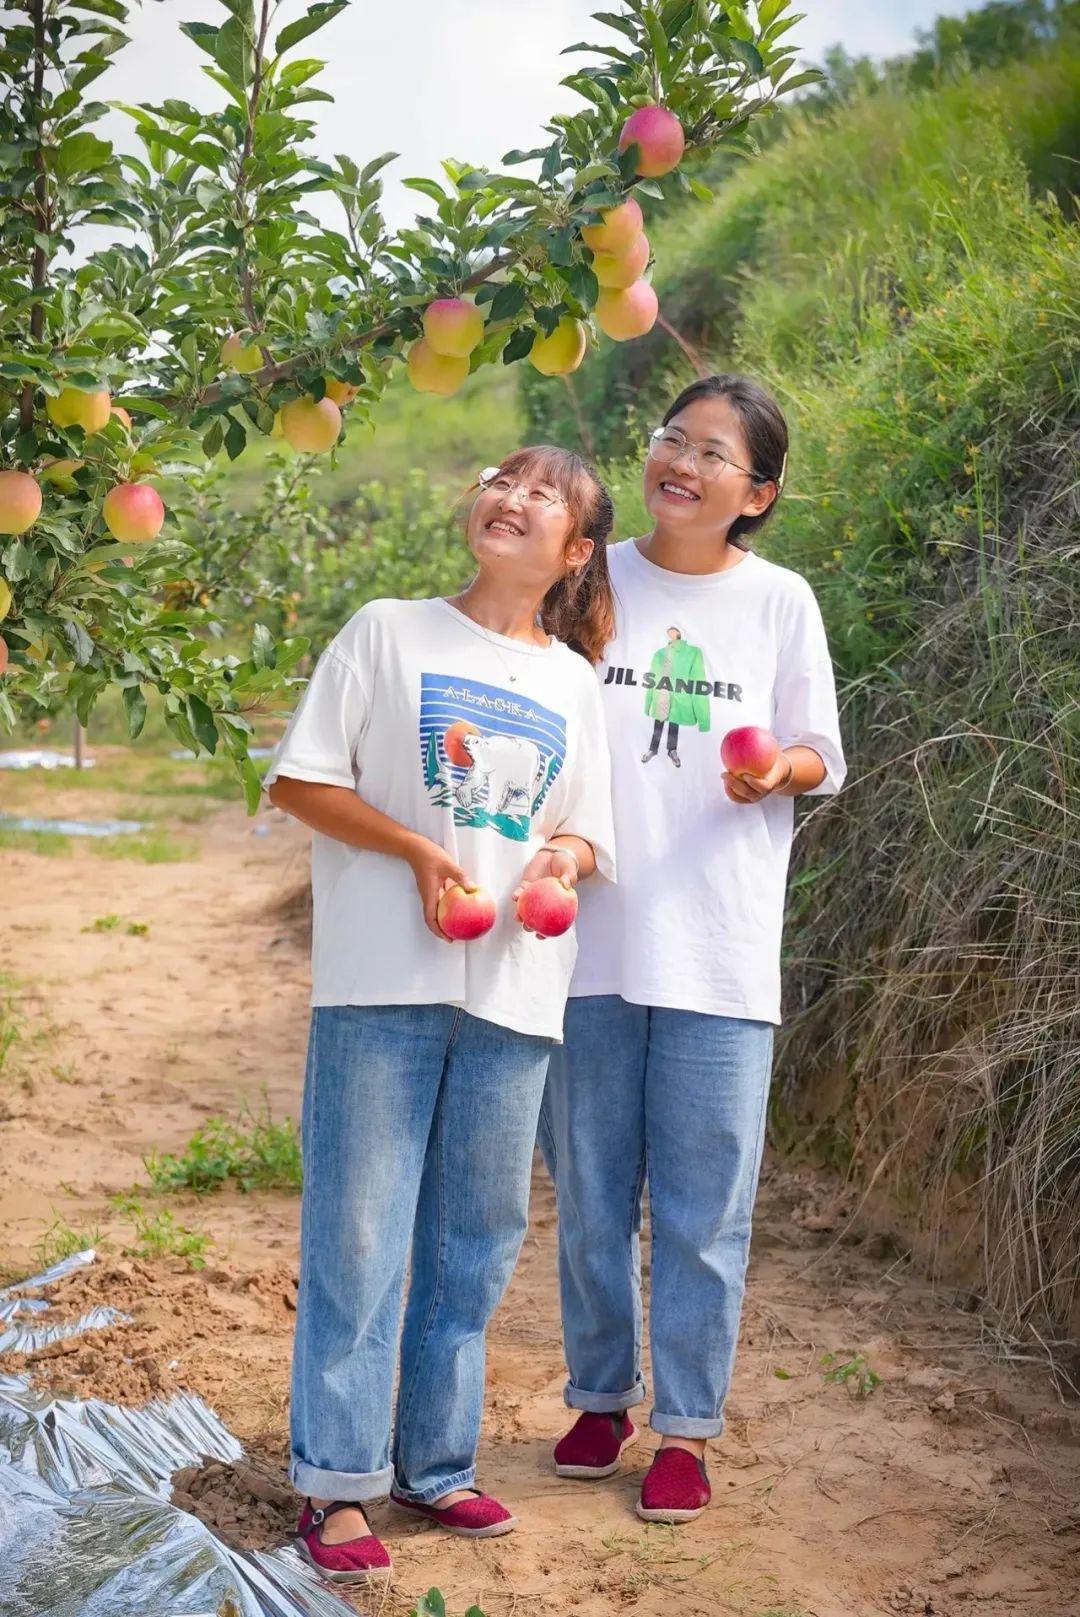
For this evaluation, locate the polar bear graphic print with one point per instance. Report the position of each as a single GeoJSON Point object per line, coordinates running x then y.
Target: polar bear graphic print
{"type": "Point", "coordinates": [506, 774]}
{"type": "Point", "coordinates": [489, 756]}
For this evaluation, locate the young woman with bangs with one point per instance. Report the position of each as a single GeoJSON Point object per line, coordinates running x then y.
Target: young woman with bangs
{"type": "Point", "coordinates": [439, 743]}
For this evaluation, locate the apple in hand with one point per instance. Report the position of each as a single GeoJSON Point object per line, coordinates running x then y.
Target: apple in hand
{"type": "Point", "coordinates": [464, 913]}
{"type": "Point", "coordinates": [548, 906]}
{"type": "Point", "coordinates": [749, 750]}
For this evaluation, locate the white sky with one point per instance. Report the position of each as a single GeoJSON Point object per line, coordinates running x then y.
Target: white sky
{"type": "Point", "coordinates": [444, 78]}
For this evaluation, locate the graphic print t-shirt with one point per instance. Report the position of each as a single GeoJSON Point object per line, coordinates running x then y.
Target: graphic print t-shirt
{"type": "Point", "coordinates": [484, 744]}
{"type": "Point", "coordinates": [695, 921]}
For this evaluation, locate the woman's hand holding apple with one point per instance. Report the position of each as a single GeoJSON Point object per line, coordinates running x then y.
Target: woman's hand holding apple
{"type": "Point", "coordinates": [752, 788]}
{"type": "Point", "coordinates": [435, 872]}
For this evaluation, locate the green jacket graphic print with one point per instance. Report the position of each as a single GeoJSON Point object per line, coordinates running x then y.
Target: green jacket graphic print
{"type": "Point", "coordinates": [684, 663]}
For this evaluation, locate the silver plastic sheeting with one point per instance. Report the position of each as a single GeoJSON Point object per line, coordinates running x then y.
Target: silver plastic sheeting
{"type": "Point", "coordinates": [40, 758]}
{"type": "Point", "coordinates": [72, 828]}
{"type": "Point", "coordinates": [28, 1338]}
{"type": "Point", "coordinates": [86, 1527]}
{"type": "Point", "coordinates": [56, 1271]}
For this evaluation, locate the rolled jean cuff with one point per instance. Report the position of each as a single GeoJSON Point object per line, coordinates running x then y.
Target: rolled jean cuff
{"type": "Point", "coordinates": [603, 1403]}
{"type": "Point", "coordinates": [355, 1486]}
{"type": "Point", "coordinates": [427, 1496]}
{"type": "Point", "coordinates": [685, 1425]}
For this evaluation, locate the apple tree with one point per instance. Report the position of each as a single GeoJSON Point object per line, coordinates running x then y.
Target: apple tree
{"type": "Point", "coordinates": [226, 310]}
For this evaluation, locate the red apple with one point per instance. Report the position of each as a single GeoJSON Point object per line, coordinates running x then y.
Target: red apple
{"type": "Point", "coordinates": [134, 513]}
{"type": "Point", "coordinates": [430, 372]}
{"type": "Point", "coordinates": [749, 750]}
{"type": "Point", "coordinates": [20, 502]}
{"type": "Point", "coordinates": [549, 906]}
{"type": "Point", "coordinates": [453, 327]}
{"type": "Point", "coordinates": [311, 426]}
{"type": "Point", "coordinates": [562, 351]}
{"type": "Point", "coordinates": [342, 393]}
{"type": "Point", "coordinates": [622, 315]}
{"type": "Point", "coordinates": [618, 230]}
{"type": "Point", "coordinates": [617, 271]}
{"type": "Point", "coordinates": [658, 136]}
{"type": "Point", "coordinates": [73, 407]}
{"type": "Point", "coordinates": [465, 913]}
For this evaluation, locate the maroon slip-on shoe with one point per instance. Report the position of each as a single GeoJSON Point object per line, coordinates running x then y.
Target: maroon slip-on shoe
{"type": "Point", "coordinates": [479, 1517]}
{"type": "Point", "coordinates": [592, 1446]}
{"type": "Point", "coordinates": [676, 1488]}
{"type": "Point", "coordinates": [356, 1560]}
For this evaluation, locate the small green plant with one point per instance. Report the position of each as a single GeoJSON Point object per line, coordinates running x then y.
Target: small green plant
{"type": "Point", "coordinates": [255, 1153]}
{"type": "Point", "coordinates": [10, 1025]}
{"type": "Point", "coordinates": [854, 1373]}
{"type": "Point", "coordinates": [152, 848]}
{"type": "Point", "coordinates": [61, 1239]}
{"type": "Point", "coordinates": [433, 1604]}
{"type": "Point", "coordinates": [65, 1072]}
{"type": "Point", "coordinates": [103, 923]}
{"type": "Point", "coordinates": [159, 1235]}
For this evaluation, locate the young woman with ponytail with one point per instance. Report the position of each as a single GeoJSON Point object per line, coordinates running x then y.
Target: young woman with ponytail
{"type": "Point", "coordinates": [663, 1075]}
{"type": "Point", "coordinates": [439, 744]}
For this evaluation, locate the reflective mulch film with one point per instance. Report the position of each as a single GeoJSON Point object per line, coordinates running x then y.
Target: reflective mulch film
{"type": "Point", "coordinates": [86, 1524]}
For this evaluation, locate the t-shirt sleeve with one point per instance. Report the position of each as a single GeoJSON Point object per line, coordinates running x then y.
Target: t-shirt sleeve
{"type": "Point", "coordinates": [804, 699]}
{"type": "Point", "coordinates": [584, 805]}
{"type": "Point", "coordinates": [324, 733]}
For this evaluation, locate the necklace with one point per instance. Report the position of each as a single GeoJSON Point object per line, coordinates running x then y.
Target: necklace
{"type": "Point", "coordinates": [489, 635]}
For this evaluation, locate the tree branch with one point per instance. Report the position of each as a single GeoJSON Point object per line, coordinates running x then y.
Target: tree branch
{"type": "Point", "coordinates": [40, 263]}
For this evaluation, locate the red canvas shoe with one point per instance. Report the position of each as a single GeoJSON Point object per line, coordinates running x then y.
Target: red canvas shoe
{"type": "Point", "coordinates": [592, 1446]}
{"type": "Point", "coordinates": [676, 1488]}
{"type": "Point", "coordinates": [357, 1560]}
{"type": "Point", "coordinates": [480, 1517]}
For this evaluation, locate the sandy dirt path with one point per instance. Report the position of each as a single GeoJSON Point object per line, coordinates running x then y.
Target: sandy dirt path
{"type": "Point", "coordinates": [928, 1478]}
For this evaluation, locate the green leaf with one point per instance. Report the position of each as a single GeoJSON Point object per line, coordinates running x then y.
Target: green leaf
{"type": "Point", "coordinates": [517, 156]}
{"type": "Point", "coordinates": [213, 440]}
{"type": "Point", "coordinates": [81, 644]}
{"type": "Point", "coordinates": [429, 188]}
{"type": "Point", "coordinates": [135, 708]}
{"type": "Point", "coordinates": [262, 647]}
{"type": "Point", "coordinates": [519, 345]}
{"type": "Point", "coordinates": [369, 170]}
{"type": "Point", "coordinates": [314, 19]}
{"type": "Point", "coordinates": [79, 154]}
{"type": "Point", "coordinates": [508, 301]}
{"type": "Point", "coordinates": [749, 54]}
{"type": "Point", "coordinates": [811, 76]}
{"type": "Point", "coordinates": [431, 1605]}
{"type": "Point", "coordinates": [235, 438]}
{"type": "Point", "coordinates": [701, 190]}
{"type": "Point", "coordinates": [202, 723]}
{"type": "Point", "coordinates": [202, 34]}
{"type": "Point", "coordinates": [233, 54]}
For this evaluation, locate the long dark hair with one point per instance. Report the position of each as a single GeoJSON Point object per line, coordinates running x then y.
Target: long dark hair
{"type": "Point", "coordinates": [579, 608]}
{"type": "Point", "coordinates": [764, 428]}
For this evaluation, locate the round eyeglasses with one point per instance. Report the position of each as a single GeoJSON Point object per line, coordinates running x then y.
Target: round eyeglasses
{"type": "Point", "coordinates": [501, 483]}
{"type": "Point", "coordinates": [667, 444]}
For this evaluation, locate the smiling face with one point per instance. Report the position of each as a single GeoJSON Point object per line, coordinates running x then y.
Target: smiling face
{"type": "Point", "coordinates": [678, 497]}
{"type": "Point", "coordinates": [519, 536]}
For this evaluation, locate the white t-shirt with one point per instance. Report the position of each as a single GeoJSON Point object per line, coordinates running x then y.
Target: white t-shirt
{"type": "Point", "coordinates": [526, 759]}
{"type": "Point", "coordinates": [695, 921]}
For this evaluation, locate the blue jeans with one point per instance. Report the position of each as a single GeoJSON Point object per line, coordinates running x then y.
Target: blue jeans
{"type": "Point", "coordinates": [418, 1130]}
{"type": "Point", "coordinates": [676, 1098]}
